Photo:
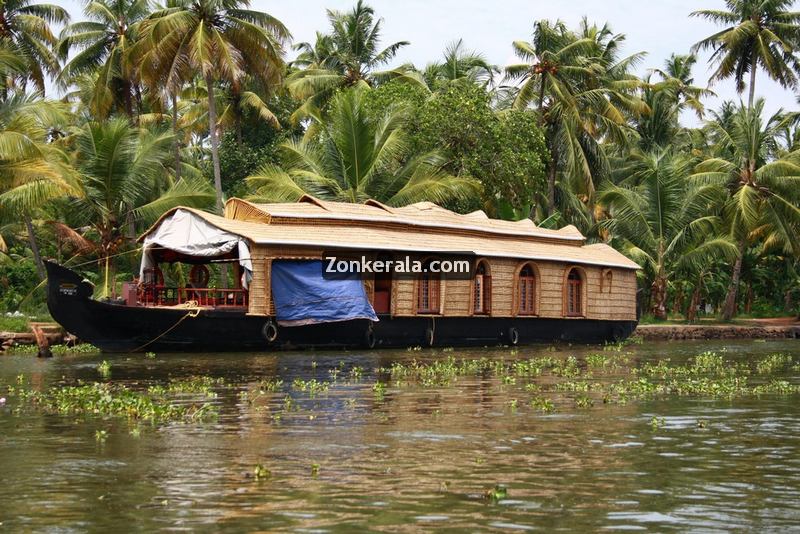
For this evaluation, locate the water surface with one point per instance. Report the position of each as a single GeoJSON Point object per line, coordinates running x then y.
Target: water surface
{"type": "Point", "coordinates": [409, 458]}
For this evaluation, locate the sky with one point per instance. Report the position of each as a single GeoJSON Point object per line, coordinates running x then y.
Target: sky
{"type": "Point", "coordinates": [658, 28]}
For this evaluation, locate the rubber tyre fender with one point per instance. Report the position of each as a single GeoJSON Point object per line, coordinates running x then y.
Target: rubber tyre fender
{"type": "Point", "coordinates": [369, 338]}
{"type": "Point", "coordinates": [429, 336]}
{"type": "Point", "coordinates": [513, 336]}
{"type": "Point", "coordinates": [270, 331]}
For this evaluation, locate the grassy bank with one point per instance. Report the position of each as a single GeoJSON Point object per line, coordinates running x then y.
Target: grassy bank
{"type": "Point", "coordinates": [19, 323]}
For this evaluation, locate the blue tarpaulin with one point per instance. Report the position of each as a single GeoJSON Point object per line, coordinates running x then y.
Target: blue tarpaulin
{"type": "Point", "coordinates": [303, 296]}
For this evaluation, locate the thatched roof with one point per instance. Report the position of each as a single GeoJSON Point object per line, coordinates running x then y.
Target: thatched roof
{"type": "Point", "coordinates": [425, 215]}
{"type": "Point", "coordinates": [420, 227]}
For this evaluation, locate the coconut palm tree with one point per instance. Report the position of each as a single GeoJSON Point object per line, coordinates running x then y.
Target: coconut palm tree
{"type": "Point", "coordinates": [458, 63]}
{"type": "Point", "coordinates": [26, 27]}
{"type": "Point", "coordinates": [677, 80]}
{"type": "Point", "coordinates": [103, 42]}
{"type": "Point", "coordinates": [221, 40]}
{"type": "Point", "coordinates": [764, 189]}
{"type": "Point", "coordinates": [662, 224]}
{"type": "Point", "coordinates": [11, 63]}
{"type": "Point", "coordinates": [583, 94]}
{"type": "Point", "coordinates": [356, 157]}
{"type": "Point", "coordinates": [125, 178]}
{"type": "Point", "coordinates": [349, 55]}
{"type": "Point", "coordinates": [757, 33]}
{"type": "Point", "coordinates": [667, 92]}
{"type": "Point", "coordinates": [32, 171]}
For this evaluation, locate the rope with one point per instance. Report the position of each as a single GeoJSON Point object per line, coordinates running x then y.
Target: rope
{"type": "Point", "coordinates": [105, 258]}
{"type": "Point", "coordinates": [139, 249]}
{"type": "Point", "coordinates": [193, 312]}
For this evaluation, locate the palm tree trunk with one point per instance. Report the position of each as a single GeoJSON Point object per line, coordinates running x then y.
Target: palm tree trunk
{"type": "Point", "coordinates": [748, 303]}
{"type": "Point", "coordinates": [37, 257]}
{"type": "Point", "coordinates": [691, 313]}
{"type": "Point", "coordinates": [677, 302]}
{"type": "Point", "coordinates": [752, 83]}
{"type": "Point", "coordinates": [128, 101]}
{"type": "Point", "coordinates": [541, 101]}
{"type": "Point", "coordinates": [551, 183]}
{"type": "Point", "coordinates": [238, 120]}
{"type": "Point", "coordinates": [212, 131]}
{"type": "Point", "coordinates": [729, 308]}
{"type": "Point", "coordinates": [177, 139]}
{"type": "Point", "coordinates": [659, 292]}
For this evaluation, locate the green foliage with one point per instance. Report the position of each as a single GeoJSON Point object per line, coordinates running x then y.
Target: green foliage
{"type": "Point", "coordinates": [505, 152]}
{"type": "Point", "coordinates": [240, 160]}
{"type": "Point", "coordinates": [354, 157]}
{"type": "Point", "coordinates": [396, 94]}
{"type": "Point", "coordinates": [17, 280]}
{"type": "Point", "coordinates": [756, 34]}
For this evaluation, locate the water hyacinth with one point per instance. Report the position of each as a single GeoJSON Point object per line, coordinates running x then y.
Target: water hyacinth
{"type": "Point", "coordinates": [103, 399]}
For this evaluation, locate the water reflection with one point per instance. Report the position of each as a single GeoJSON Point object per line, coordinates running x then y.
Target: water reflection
{"type": "Point", "coordinates": [406, 459]}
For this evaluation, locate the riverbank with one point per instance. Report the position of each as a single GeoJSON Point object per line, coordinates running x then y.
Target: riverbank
{"type": "Point", "coordinates": [781, 327]}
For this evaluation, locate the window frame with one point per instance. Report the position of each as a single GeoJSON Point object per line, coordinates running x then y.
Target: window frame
{"type": "Point", "coordinates": [569, 298]}
{"type": "Point", "coordinates": [434, 282]}
{"type": "Point", "coordinates": [533, 281]}
{"type": "Point", "coordinates": [485, 286]}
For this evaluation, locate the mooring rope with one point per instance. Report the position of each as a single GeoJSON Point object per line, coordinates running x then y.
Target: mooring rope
{"type": "Point", "coordinates": [194, 311]}
{"type": "Point", "coordinates": [105, 258]}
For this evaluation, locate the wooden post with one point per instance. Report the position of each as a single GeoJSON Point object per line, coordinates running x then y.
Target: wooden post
{"type": "Point", "coordinates": [41, 341]}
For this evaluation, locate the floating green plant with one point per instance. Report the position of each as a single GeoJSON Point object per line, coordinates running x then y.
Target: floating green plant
{"type": "Point", "coordinates": [56, 350]}
{"type": "Point", "coordinates": [271, 384]}
{"type": "Point", "coordinates": [356, 372]}
{"type": "Point", "coordinates": [104, 368]}
{"type": "Point", "coordinates": [261, 473]}
{"type": "Point", "coordinates": [543, 404]}
{"type": "Point", "coordinates": [313, 387]}
{"type": "Point", "coordinates": [190, 385]}
{"type": "Point", "coordinates": [773, 363]}
{"type": "Point", "coordinates": [656, 422]}
{"type": "Point", "coordinates": [103, 399]}
{"type": "Point", "coordinates": [497, 493]}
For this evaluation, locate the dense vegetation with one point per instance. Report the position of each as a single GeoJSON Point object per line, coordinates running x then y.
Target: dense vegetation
{"type": "Point", "coordinates": [196, 101]}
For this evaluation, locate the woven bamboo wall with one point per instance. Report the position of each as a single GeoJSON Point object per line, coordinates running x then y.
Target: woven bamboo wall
{"type": "Point", "coordinates": [616, 301]}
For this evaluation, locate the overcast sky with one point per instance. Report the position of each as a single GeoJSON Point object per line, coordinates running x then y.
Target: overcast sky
{"type": "Point", "coordinates": [658, 28]}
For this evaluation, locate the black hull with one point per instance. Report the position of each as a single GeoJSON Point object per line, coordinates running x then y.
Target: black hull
{"type": "Point", "coordinates": [118, 328]}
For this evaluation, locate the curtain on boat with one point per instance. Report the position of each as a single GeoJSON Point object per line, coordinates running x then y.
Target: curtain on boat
{"type": "Point", "coordinates": [188, 234]}
{"type": "Point", "coordinates": [303, 296]}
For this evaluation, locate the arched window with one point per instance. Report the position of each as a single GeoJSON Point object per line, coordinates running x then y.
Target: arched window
{"type": "Point", "coordinates": [482, 290]}
{"type": "Point", "coordinates": [574, 293]}
{"type": "Point", "coordinates": [428, 291]}
{"type": "Point", "coordinates": [527, 290]}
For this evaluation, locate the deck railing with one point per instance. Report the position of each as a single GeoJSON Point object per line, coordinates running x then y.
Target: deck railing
{"type": "Point", "coordinates": [210, 297]}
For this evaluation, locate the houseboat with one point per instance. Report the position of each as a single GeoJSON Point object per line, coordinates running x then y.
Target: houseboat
{"type": "Point", "coordinates": [525, 283]}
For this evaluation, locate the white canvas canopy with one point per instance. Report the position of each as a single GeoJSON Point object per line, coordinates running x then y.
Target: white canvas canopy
{"type": "Point", "coordinates": [189, 234]}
